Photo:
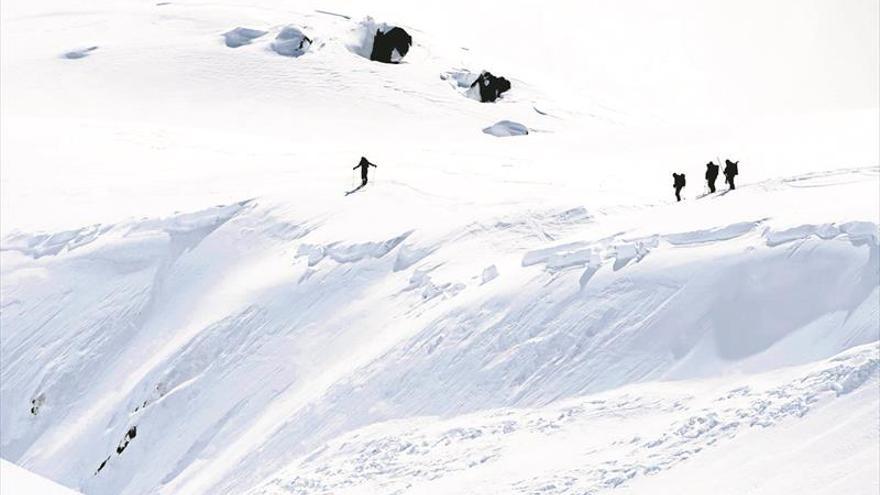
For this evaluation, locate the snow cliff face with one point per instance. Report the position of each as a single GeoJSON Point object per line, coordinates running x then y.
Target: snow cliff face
{"type": "Point", "coordinates": [191, 305]}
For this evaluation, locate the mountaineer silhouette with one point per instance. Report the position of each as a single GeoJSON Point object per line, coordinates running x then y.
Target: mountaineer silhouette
{"type": "Point", "coordinates": [711, 175]}
{"type": "Point", "coordinates": [364, 165]}
{"type": "Point", "coordinates": [731, 170]}
{"type": "Point", "coordinates": [678, 183]}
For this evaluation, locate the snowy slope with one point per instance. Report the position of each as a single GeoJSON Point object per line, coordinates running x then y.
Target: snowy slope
{"type": "Point", "coordinates": [191, 305]}
{"type": "Point", "coordinates": [587, 445]}
{"type": "Point", "coordinates": [318, 337]}
{"type": "Point", "coordinates": [20, 481]}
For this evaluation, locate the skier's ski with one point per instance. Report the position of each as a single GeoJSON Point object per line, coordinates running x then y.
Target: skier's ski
{"type": "Point", "coordinates": [716, 193]}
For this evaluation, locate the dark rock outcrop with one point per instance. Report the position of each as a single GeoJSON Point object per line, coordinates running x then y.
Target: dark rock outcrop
{"type": "Point", "coordinates": [390, 46]}
{"type": "Point", "coordinates": [490, 87]}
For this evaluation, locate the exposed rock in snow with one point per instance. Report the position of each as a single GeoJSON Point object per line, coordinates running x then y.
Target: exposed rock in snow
{"type": "Point", "coordinates": [380, 42]}
{"type": "Point", "coordinates": [129, 436]}
{"type": "Point", "coordinates": [36, 403]}
{"type": "Point", "coordinates": [483, 87]}
{"type": "Point", "coordinates": [490, 87]}
{"type": "Point", "coordinates": [390, 46]}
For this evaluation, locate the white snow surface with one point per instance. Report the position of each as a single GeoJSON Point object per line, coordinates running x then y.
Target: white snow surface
{"type": "Point", "coordinates": [528, 315]}
{"type": "Point", "coordinates": [15, 480]}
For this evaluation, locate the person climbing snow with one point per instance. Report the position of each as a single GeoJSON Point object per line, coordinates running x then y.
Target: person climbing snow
{"type": "Point", "coordinates": [731, 170]}
{"type": "Point", "coordinates": [364, 164]}
{"type": "Point", "coordinates": [678, 184]}
{"type": "Point", "coordinates": [711, 175]}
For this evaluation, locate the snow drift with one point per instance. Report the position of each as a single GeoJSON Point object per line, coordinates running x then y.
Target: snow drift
{"type": "Point", "coordinates": [79, 53]}
{"type": "Point", "coordinates": [291, 42]}
{"type": "Point", "coordinates": [506, 128]}
{"type": "Point", "coordinates": [241, 36]}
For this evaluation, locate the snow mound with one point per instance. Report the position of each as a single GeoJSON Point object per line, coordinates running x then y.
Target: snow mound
{"type": "Point", "coordinates": [379, 41]}
{"type": "Point", "coordinates": [79, 53]}
{"type": "Point", "coordinates": [291, 42]}
{"type": "Point", "coordinates": [506, 128]}
{"type": "Point", "coordinates": [241, 36]}
{"type": "Point", "coordinates": [462, 80]}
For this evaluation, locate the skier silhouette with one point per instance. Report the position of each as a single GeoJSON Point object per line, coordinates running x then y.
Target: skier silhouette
{"type": "Point", "coordinates": [364, 165]}
{"type": "Point", "coordinates": [731, 170]}
{"type": "Point", "coordinates": [711, 175]}
{"type": "Point", "coordinates": [678, 184]}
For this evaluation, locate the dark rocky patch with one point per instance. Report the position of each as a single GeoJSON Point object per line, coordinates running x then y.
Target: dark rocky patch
{"type": "Point", "coordinates": [390, 46]}
{"type": "Point", "coordinates": [36, 403]}
{"type": "Point", "coordinates": [490, 87]}
{"type": "Point", "coordinates": [103, 463]}
{"type": "Point", "coordinates": [129, 436]}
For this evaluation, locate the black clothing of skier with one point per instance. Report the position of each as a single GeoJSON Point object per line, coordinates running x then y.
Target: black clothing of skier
{"type": "Point", "coordinates": [731, 170]}
{"type": "Point", "coordinates": [678, 184]}
{"type": "Point", "coordinates": [364, 164]}
{"type": "Point", "coordinates": [711, 175]}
